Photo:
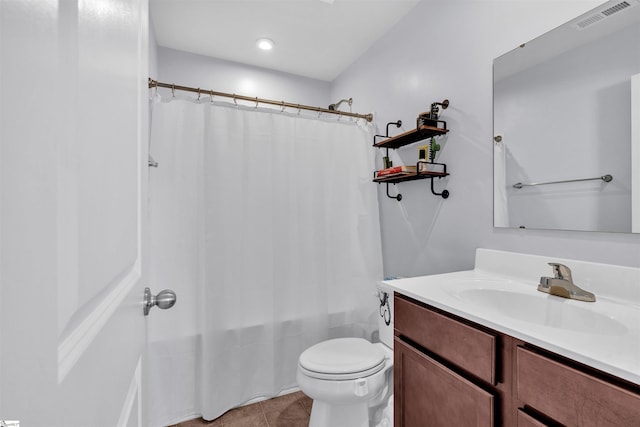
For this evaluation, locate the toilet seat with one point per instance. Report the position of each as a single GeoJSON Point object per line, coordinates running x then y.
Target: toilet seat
{"type": "Point", "coordinates": [342, 359]}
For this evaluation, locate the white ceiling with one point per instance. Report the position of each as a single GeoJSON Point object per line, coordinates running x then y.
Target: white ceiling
{"type": "Point", "coordinates": [313, 38]}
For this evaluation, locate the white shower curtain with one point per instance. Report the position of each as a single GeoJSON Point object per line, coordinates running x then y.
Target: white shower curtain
{"type": "Point", "coordinates": [277, 231]}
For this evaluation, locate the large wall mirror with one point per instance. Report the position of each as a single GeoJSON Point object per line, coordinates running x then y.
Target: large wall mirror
{"type": "Point", "coordinates": [567, 126]}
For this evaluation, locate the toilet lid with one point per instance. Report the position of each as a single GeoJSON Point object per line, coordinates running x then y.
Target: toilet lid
{"type": "Point", "coordinates": [342, 358]}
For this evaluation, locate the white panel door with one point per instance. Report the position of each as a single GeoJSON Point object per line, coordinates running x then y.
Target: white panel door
{"type": "Point", "coordinates": [73, 173]}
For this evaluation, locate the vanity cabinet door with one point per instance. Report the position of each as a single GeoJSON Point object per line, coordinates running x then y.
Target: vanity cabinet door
{"type": "Point", "coordinates": [427, 393]}
{"type": "Point", "coordinates": [572, 397]}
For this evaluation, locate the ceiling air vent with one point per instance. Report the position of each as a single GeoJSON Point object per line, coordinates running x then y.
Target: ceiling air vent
{"type": "Point", "coordinates": [599, 16]}
{"type": "Point", "coordinates": [617, 8]}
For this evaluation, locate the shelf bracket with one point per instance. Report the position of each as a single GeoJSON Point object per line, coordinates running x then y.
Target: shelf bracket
{"type": "Point", "coordinates": [397, 124]}
{"type": "Point", "coordinates": [444, 194]}
{"type": "Point", "coordinates": [398, 197]}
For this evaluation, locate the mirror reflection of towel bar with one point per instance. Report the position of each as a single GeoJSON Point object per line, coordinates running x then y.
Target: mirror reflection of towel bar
{"type": "Point", "coordinates": [605, 178]}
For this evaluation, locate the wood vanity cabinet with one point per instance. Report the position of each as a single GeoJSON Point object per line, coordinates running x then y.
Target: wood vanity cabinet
{"type": "Point", "coordinates": [449, 371]}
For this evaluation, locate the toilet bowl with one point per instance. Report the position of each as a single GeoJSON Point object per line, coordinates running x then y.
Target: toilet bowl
{"type": "Point", "coordinates": [346, 377]}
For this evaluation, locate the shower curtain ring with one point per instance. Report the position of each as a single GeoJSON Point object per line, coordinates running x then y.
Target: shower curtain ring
{"type": "Point", "coordinates": [173, 91]}
{"type": "Point", "coordinates": [256, 102]}
{"type": "Point", "coordinates": [235, 101]}
{"type": "Point", "coordinates": [283, 107]}
{"type": "Point", "coordinates": [198, 95]}
{"type": "Point", "coordinates": [211, 95]}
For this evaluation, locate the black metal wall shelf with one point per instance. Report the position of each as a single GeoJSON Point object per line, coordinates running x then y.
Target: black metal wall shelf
{"type": "Point", "coordinates": [426, 127]}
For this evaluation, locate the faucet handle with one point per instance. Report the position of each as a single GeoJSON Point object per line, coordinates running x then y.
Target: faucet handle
{"type": "Point", "coordinates": [561, 271]}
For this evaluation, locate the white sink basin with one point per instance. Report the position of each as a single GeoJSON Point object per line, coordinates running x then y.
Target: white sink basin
{"type": "Point", "coordinates": [545, 310]}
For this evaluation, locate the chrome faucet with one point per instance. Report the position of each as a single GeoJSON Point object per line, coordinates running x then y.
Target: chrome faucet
{"type": "Point", "coordinates": [562, 285]}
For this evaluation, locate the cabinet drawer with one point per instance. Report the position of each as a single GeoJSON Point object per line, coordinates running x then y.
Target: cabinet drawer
{"type": "Point", "coordinates": [572, 397]}
{"type": "Point", "coordinates": [427, 393]}
{"type": "Point", "coordinates": [464, 346]}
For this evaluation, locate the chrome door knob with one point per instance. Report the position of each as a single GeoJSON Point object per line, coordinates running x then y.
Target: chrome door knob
{"type": "Point", "coordinates": [165, 299]}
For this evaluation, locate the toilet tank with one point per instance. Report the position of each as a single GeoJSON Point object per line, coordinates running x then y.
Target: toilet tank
{"type": "Point", "coordinates": [385, 313]}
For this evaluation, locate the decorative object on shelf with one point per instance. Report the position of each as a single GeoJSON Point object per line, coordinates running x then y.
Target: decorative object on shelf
{"type": "Point", "coordinates": [430, 118]}
{"type": "Point", "coordinates": [396, 171]}
{"type": "Point", "coordinates": [423, 153]}
{"type": "Point", "coordinates": [427, 155]}
{"type": "Point", "coordinates": [433, 149]}
{"type": "Point", "coordinates": [387, 162]}
{"type": "Point", "coordinates": [428, 125]}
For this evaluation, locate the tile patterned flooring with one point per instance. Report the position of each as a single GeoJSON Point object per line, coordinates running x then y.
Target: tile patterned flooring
{"type": "Point", "coordinates": [290, 410]}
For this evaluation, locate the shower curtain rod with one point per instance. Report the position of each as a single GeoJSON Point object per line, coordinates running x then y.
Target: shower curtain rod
{"type": "Point", "coordinates": [174, 87]}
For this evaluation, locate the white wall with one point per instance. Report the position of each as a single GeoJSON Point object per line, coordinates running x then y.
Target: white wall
{"type": "Point", "coordinates": [153, 51]}
{"type": "Point", "coordinates": [445, 50]}
{"type": "Point", "coordinates": [198, 71]}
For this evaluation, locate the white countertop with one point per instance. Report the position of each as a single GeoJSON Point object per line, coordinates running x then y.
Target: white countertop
{"type": "Point", "coordinates": [500, 293]}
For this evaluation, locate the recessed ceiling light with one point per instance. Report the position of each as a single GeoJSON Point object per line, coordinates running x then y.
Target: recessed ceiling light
{"type": "Point", "coordinates": [265, 44]}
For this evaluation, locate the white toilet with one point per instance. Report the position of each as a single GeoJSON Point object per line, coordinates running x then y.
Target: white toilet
{"type": "Point", "coordinates": [347, 376]}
